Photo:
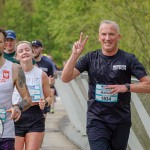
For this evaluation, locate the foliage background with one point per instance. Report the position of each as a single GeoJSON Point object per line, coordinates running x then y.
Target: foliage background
{"type": "Point", "coordinates": [58, 24]}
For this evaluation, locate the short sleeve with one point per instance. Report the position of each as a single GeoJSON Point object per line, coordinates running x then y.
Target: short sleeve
{"type": "Point", "coordinates": [83, 63]}
{"type": "Point", "coordinates": [137, 69]}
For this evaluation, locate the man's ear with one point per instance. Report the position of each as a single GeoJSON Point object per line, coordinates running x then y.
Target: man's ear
{"type": "Point", "coordinates": [119, 36]}
{"type": "Point", "coordinates": [99, 37]}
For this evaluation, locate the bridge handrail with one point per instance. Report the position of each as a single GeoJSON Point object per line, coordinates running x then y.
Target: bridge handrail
{"type": "Point", "coordinates": [74, 97]}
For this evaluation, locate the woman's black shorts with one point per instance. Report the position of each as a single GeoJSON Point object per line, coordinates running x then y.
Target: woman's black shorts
{"type": "Point", "coordinates": [31, 120]}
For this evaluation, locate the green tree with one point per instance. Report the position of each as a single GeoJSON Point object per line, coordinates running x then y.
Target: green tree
{"type": "Point", "coordinates": [58, 24]}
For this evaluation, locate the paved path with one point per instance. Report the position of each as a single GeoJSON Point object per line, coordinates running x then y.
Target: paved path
{"type": "Point", "coordinates": [54, 138]}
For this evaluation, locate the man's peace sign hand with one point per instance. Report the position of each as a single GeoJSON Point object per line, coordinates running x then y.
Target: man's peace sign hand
{"type": "Point", "coordinates": [79, 45]}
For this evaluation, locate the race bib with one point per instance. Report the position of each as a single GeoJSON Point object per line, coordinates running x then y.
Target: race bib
{"type": "Point", "coordinates": [3, 114]}
{"type": "Point", "coordinates": [102, 94]}
{"type": "Point", "coordinates": [35, 92]}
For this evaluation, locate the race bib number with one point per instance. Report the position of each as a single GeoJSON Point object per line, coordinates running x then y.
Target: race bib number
{"type": "Point", "coordinates": [3, 114]}
{"type": "Point", "coordinates": [103, 95]}
{"type": "Point", "coordinates": [35, 92]}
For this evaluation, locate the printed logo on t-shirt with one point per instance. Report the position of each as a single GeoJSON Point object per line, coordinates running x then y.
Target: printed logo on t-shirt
{"type": "Point", "coordinates": [119, 67]}
{"type": "Point", "coordinates": [44, 69]}
{"type": "Point", "coordinates": [2, 80]}
{"type": "Point", "coordinates": [5, 74]}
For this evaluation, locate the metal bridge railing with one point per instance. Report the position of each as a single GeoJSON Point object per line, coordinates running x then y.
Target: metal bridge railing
{"type": "Point", "coordinates": [74, 98]}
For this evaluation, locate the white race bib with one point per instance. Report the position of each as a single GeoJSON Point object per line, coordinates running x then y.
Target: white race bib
{"type": "Point", "coordinates": [35, 92]}
{"type": "Point", "coordinates": [102, 94]}
{"type": "Point", "coordinates": [3, 114]}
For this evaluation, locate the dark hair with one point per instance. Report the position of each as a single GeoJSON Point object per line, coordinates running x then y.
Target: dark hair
{"type": "Point", "coordinates": [3, 32]}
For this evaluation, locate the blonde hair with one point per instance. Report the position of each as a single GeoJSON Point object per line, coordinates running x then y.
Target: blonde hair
{"type": "Point", "coordinates": [20, 42]}
{"type": "Point", "coordinates": [110, 22]}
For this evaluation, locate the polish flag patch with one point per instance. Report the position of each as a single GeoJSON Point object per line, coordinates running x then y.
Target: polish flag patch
{"type": "Point", "coordinates": [6, 74]}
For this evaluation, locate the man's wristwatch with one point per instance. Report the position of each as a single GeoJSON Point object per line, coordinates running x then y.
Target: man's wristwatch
{"type": "Point", "coordinates": [128, 87]}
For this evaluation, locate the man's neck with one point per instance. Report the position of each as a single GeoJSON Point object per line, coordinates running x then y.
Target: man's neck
{"type": "Point", "coordinates": [9, 51]}
{"type": "Point", "coordinates": [2, 61]}
{"type": "Point", "coordinates": [38, 58]}
{"type": "Point", "coordinates": [110, 53]}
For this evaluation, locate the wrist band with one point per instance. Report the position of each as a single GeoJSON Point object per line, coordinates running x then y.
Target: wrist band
{"type": "Point", "coordinates": [46, 104]}
{"type": "Point", "coordinates": [19, 107]}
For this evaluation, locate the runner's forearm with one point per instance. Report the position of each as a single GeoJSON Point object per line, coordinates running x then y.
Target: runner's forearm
{"type": "Point", "coordinates": [68, 71]}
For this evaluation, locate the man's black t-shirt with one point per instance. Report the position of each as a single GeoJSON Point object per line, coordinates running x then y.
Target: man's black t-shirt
{"type": "Point", "coordinates": [47, 67]}
{"type": "Point", "coordinates": [107, 70]}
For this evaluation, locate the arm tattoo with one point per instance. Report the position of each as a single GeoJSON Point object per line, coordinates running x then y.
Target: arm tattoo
{"type": "Point", "coordinates": [21, 77]}
{"type": "Point", "coordinates": [23, 105]}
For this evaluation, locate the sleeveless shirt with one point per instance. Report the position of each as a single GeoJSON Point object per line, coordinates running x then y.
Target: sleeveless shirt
{"type": "Point", "coordinates": [34, 84]}
{"type": "Point", "coordinates": [6, 91]}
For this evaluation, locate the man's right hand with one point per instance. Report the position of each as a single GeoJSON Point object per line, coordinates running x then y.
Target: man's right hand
{"type": "Point", "coordinates": [79, 45]}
